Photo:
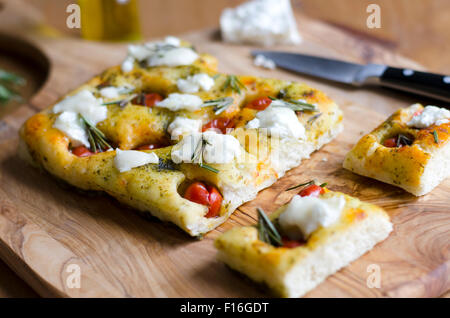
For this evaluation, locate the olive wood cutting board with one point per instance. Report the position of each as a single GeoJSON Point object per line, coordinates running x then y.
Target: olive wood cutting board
{"type": "Point", "coordinates": [48, 231]}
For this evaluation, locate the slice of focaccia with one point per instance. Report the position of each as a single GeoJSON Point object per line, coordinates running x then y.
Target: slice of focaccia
{"type": "Point", "coordinates": [167, 134]}
{"type": "Point", "coordinates": [304, 241]}
{"type": "Point", "coordinates": [411, 150]}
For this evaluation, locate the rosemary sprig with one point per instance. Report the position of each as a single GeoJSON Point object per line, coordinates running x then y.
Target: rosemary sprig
{"type": "Point", "coordinates": [166, 164]}
{"type": "Point", "coordinates": [436, 136]}
{"type": "Point", "coordinates": [122, 102]}
{"type": "Point", "coordinates": [96, 137]}
{"type": "Point", "coordinates": [323, 185]}
{"type": "Point", "coordinates": [402, 140]}
{"type": "Point", "coordinates": [234, 84]}
{"type": "Point", "coordinates": [295, 105]}
{"type": "Point", "coordinates": [314, 118]}
{"type": "Point", "coordinates": [197, 155]}
{"type": "Point", "coordinates": [11, 78]}
{"type": "Point", "coordinates": [220, 105]}
{"type": "Point", "coordinates": [301, 185]}
{"type": "Point", "coordinates": [267, 232]}
{"type": "Point", "coordinates": [7, 82]}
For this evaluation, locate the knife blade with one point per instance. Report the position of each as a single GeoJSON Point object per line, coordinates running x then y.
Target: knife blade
{"type": "Point", "coordinates": [432, 85]}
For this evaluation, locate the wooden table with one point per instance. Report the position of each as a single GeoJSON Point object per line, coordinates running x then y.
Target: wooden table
{"type": "Point", "coordinates": [12, 286]}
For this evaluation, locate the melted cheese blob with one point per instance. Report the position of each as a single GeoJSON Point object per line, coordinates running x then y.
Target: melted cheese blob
{"type": "Point", "coordinates": [304, 215]}
{"type": "Point", "coordinates": [125, 160]}
{"type": "Point", "coordinates": [215, 148]}
{"type": "Point", "coordinates": [281, 121]}
{"type": "Point", "coordinates": [193, 84]}
{"type": "Point", "coordinates": [183, 126]}
{"type": "Point", "coordinates": [431, 115]}
{"type": "Point", "coordinates": [69, 122]}
{"type": "Point", "coordinates": [176, 101]}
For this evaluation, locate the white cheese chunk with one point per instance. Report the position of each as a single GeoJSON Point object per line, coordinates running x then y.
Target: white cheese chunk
{"type": "Point", "coordinates": [173, 57]}
{"type": "Point", "coordinates": [183, 126]}
{"type": "Point", "coordinates": [176, 101]}
{"type": "Point", "coordinates": [85, 104]}
{"type": "Point", "coordinates": [280, 121]}
{"type": "Point", "coordinates": [125, 160]}
{"type": "Point", "coordinates": [304, 215]}
{"type": "Point", "coordinates": [112, 92]}
{"type": "Point", "coordinates": [70, 124]}
{"type": "Point", "coordinates": [431, 115]}
{"type": "Point", "coordinates": [262, 61]}
{"type": "Point", "coordinates": [261, 22]}
{"type": "Point", "coordinates": [216, 148]}
{"type": "Point", "coordinates": [193, 84]}
{"type": "Point", "coordinates": [167, 52]}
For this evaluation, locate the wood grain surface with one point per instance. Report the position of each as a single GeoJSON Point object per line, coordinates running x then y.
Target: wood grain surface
{"type": "Point", "coordinates": [45, 227]}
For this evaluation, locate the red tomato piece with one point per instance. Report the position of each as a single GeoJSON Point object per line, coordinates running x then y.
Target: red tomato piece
{"type": "Point", "coordinates": [148, 100]}
{"type": "Point", "coordinates": [312, 191]}
{"type": "Point", "coordinates": [82, 151]}
{"type": "Point", "coordinates": [291, 243]}
{"type": "Point", "coordinates": [200, 193]}
{"type": "Point", "coordinates": [221, 124]}
{"type": "Point", "coordinates": [390, 143]}
{"type": "Point", "coordinates": [152, 99]}
{"type": "Point", "coordinates": [260, 103]}
{"type": "Point", "coordinates": [215, 202]}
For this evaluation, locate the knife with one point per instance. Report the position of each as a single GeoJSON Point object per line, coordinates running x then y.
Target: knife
{"type": "Point", "coordinates": [436, 86]}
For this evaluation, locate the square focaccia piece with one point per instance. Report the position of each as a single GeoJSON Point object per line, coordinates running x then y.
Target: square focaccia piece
{"type": "Point", "coordinates": [411, 150]}
{"type": "Point", "coordinates": [124, 131]}
{"type": "Point", "coordinates": [319, 232]}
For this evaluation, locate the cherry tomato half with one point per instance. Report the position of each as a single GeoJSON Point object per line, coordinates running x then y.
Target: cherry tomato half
{"type": "Point", "coordinates": [291, 243]}
{"type": "Point", "coordinates": [312, 191]}
{"type": "Point", "coordinates": [148, 100]}
{"type": "Point", "coordinates": [390, 143]}
{"type": "Point", "coordinates": [260, 103]}
{"type": "Point", "coordinates": [207, 195]}
{"type": "Point", "coordinates": [82, 151]}
{"type": "Point", "coordinates": [219, 123]}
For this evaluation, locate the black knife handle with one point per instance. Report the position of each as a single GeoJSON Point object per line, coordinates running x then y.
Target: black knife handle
{"type": "Point", "coordinates": [428, 84]}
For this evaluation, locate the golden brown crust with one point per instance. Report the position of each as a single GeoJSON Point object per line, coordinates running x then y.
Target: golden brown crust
{"type": "Point", "coordinates": [402, 166]}
{"type": "Point", "coordinates": [134, 125]}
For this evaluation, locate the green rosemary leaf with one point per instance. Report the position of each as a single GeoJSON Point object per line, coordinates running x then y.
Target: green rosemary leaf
{"type": "Point", "coordinates": [297, 106]}
{"type": "Point", "coordinates": [267, 232]}
{"type": "Point", "coordinates": [197, 155]}
{"type": "Point", "coordinates": [314, 118]}
{"type": "Point", "coordinates": [97, 139]}
{"type": "Point", "coordinates": [220, 105]}
{"type": "Point", "coordinates": [402, 140]}
{"type": "Point", "coordinates": [5, 94]}
{"type": "Point", "coordinates": [323, 185]}
{"type": "Point", "coordinates": [166, 164]}
{"type": "Point", "coordinates": [301, 185]}
{"type": "Point", "coordinates": [121, 102]}
{"type": "Point", "coordinates": [11, 78]}
{"type": "Point", "coordinates": [234, 84]}
{"type": "Point", "coordinates": [209, 168]}
{"type": "Point", "coordinates": [436, 137]}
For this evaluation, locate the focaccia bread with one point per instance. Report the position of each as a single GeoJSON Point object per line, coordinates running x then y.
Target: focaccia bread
{"type": "Point", "coordinates": [411, 150]}
{"type": "Point", "coordinates": [123, 133]}
{"type": "Point", "coordinates": [319, 232]}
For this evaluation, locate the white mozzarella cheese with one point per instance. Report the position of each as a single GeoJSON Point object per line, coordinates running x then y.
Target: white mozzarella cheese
{"type": "Point", "coordinates": [304, 215]}
{"type": "Point", "coordinates": [176, 101]}
{"type": "Point", "coordinates": [193, 84]}
{"type": "Point", "coordinates": [216, 148]}
{"type": "Point", "coordinates": [280, 121]}
{"type": "Point", "coordinates": [262, 22]}
{"type": "Point", "coordinates": [125, 160]}
{"type": "Point", "coordinates": [431, 115]}
{"type": "Point", "coordinates": [183, 126]}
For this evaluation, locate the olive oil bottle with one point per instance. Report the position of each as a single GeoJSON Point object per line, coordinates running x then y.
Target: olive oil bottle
{"type": "Point", "coordinates": [110, 20]}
